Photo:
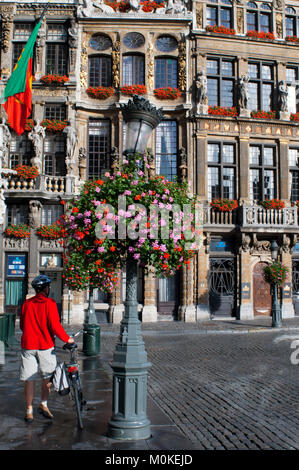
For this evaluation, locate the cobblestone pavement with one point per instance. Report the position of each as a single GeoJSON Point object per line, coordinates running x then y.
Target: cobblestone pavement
{"type": "Point", "coordinates": [224, 391]}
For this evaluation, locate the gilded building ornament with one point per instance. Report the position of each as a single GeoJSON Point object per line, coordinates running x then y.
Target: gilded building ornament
{"type": "Point", "coordinates": [84, 61]}
{"type": "Point", "coordinates": [115, 63]}
{"type": "Point", "coordinates": [182, 65]}
{"type": "Point", "coordinates": [150, 65]}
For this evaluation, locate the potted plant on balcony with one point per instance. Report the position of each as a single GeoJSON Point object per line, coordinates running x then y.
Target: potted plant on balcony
{"type": "Point", "coordinates": [167, 93]}
{"type": "Point", "coordinates": [272, 204]}
{"type": "Point", "coordinates": [17, 231]}
{"type": "Point", "coordinates": [100, 92]}
{"type": "Point", "coordinates": [54, 79]}
{"type": "Point", "coordinates": [224, 205]}
{"type": "Point", "coordinates": [26, 172]}
{"type": "Point", "coordinates": [54, 125]}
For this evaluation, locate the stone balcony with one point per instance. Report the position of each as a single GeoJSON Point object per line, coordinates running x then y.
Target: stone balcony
{"type": "Point", "coordinates": [252, 218]}
{"type": "Point", "coordinates": [43, 185]}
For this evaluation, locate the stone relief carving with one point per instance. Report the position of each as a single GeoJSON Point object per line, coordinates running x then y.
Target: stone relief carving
{"type": "Point", "coordinates": [50, 244]}
{"type": "Point", "coordinates": [5, 139]}
{"type": "Point", "coordinates": [286, 243]}
{"type": "Point", "coordinates": [73, 33]}
{"type": "Point", "coordinates": [283, 96]}
{"type": "Point", "coordinates": [279, 25]}
{"type": "Point", "coordinates": [16, 244]}
{"type": "Point", "coordinates": [97, 8]}
{"type": "Point", "coordinates": [182, 65]}
{"type": "Point", "coordinates": [82, 162]}
{"type": "Point", "coordinates": [150, 64]}
{"type": "Point", "coordinates": [7, 13]}
{"type": "Point", "coordinates": [183, 167]}
{"type": "Point", "coordinates": [34, 213]}
{"type": "Point", "coordinates": [260, 246]}
{"type": "Point", "coordinates": [245, 243]}
{"type": "Point", "coordinates": [199, 15]}
{"type": "Point", "coordinates": [278, 4]}
{"type": "Point", "coordinates": [84, 62]}
{"type": "Point", "coordinates": [240, 20]}
{"type": "Point", "coordinates": [115, 62]}
{"type": "Point", "coordinates": [114, 155]}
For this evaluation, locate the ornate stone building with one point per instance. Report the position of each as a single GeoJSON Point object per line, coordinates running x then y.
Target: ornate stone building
{"type": "Point", "coordinates": [234, 154]}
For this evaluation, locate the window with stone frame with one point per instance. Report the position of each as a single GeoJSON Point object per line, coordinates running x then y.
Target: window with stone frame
{"type": "Point", "coordinates": [294, 174]}
{"type": "Point", "coordinates": [56, 49]}
{"type": "Point", "coordinates": [221, 81]}
{"type": "Point", "coordinates": [166, 146]}
{"type": "Point", "coordinates": [263, 172]}
{"type": "Point", "coordinates": [100, 71]}
{"type": "Point", "coordinates": [21, 150]}
{"type": "Point", "coordinates": [261, 85]}
{"type": "Point", "coordinates": [133, 69]}
{"type": "Point", "coordinates": [221, 170]}
{"type": "Point", "coordinates": [220, 14]}
{"type": "Point", "coordinates": [54, 154]}
{"type": "Point", "coordinates": [291, 22]}
{"type": "Point", "coordinates": [292, 77]}
{"type": "Point", "coordinates": [51, 213]}
{"type": "Point", "coordinates": [166, 72]}
{"type": "Point", "coordinates": [99, 145]}
{"type": "Point", "coordinates": [21, 34]}
{"type": "Point", "coordinates": [259, 19]}
{"type": "Point", "coordinates": [17, 214]}
{"type": "Point", "coordinates": [56, 111]}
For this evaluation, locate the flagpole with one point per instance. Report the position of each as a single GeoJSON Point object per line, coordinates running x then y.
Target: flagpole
{"type": "Point", "coordinates": [44, 12]}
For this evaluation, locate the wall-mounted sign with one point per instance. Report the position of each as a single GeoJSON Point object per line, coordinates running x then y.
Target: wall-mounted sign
{"type": "Point", "coordinates": [296, 248]}
{"type": "Point", "coordinates": [221, 245]}
{"type": "Point", "coordinates": [287, 291]}
{"type": "Point", "coordinates": [16, 265]}
{"type": "Point", "coordinates": [245, 290]}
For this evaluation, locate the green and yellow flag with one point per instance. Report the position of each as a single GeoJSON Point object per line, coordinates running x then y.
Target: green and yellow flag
{"type": "Point", "coordinates": [17, 96]}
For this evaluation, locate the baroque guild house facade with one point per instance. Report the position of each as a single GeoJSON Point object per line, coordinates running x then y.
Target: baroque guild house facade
{"type": "Point", "coordinates": [230, 128]}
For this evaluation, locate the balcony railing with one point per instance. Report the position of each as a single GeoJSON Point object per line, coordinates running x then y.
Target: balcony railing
{"type": "Point", "coordinates": [212, 217]}
{"type": "Point", "coordinates": [16, 184]}
{"type": "Point", "coordinates": [52, 184]}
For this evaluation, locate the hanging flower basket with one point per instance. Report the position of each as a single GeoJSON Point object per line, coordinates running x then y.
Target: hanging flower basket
{"type": "Point", "coordinates": [26, 172]}
{"type": "Point", "coordinates": [100, 92]}
{"type": "Point", "coordinates": [224, 205]}
{"type": "Point", "coordinates": [260, 35]}
{"type": "Point", "coordinates": [54, 79]}
{"type": "Point", "coordinates": [221, 30]}
{"type": "Point", "coordinates": [17, 231]}
{"type": "Point", "coordinates": [221, 111]}
{"type": "Point", "coordinates": [294, 117]}
{"type": "Point", "coordinates": [293, 39]}
{"type": "Point", "coordinates": [167, 93]}
{"type": "Point", "coordinates": [263, 114]}
{"type": "Point", "coordinates": [54, 125]}
{"type": "Point", "coordinates": [133, 90]}
{"type": "Point", "coordinates": [51, 232]}
{"type": "Point", "coordinates": [276, 273]}
{"type": "Point", "coordinates": [273, 204]}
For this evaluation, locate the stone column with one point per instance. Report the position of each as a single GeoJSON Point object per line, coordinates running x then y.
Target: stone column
{"type": "Point", "coordinates": [287, 310]}
{"type": "Point", "coordinates": [284, 170]}
{"type": "Point", "coordinates": [244, 170]}
{"type": "Point", "coordinates": [149, 311]}
{"type": "Point", "coordinates": [246, 288]}
{"type": "Point", "coordinates": [7, 14]}
{"type": "Point", "coordinates": [202, 307]}
{"type": "Point", "coordinates": [187, 309]}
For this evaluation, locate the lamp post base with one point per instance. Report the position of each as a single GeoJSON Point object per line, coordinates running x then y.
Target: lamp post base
{"type": "Point", "coordinates": [276, 310]}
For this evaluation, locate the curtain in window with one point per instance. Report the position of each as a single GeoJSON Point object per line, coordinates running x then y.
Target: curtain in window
{"type": "Point", "coordinates": [15, 292]}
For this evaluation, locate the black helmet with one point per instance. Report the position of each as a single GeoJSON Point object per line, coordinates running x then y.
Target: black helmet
{"type": "Point", "coordinates": [40, 282]}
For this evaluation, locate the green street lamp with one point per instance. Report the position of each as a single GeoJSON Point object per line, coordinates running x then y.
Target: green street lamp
{"type": "Point", "coordinates": [130, 365]}
{"type": "Point", "coordinates": [276, 310]}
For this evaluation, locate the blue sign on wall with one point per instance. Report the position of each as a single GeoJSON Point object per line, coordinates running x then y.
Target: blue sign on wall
{"type": "Point", "coordinates": [296, 248]}
{"type": "Point", "coordinates": [220, 245]}
{"type": "Point", "coordinates": [16, 265]}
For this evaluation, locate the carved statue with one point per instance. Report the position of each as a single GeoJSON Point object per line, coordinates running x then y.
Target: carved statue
{"type": "Point", "coordinates": [37, 136]}
{"type": "Point", "coordinates": [73, 34]}
{"type": "Point", "coordinates": [34, 213]}
{"type": "Point", "coordinates": [135, 5]}
{"type": "Point", "coordinates": [175, 6]}
{"type": "Point", "coordinates": [5, 139]}
{"type": "Point", "coordinates": [82, 162]}
{"type": "Point", "coordinates": [114, 155]}
{"type": "Point", "coordinates": [282, 96]}
{"type": "Point", "coordinates": [71, 139]}
{"type": "Point", "coordinates": [243, 92]}
{"type": "Point", "coordinates": [183, 163]}
{"type": "Point", "coordinates": [51, 262]}
{"type": "Point", "coordinates": [87, 8]}
{"type": "Point", "coordinates": [201, 90]}
{"type": "Point", "coordinates": [2, 207]}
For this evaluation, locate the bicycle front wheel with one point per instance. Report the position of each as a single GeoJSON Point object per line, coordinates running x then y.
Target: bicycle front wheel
{"type": "Point", "coordinates": [78, 403]}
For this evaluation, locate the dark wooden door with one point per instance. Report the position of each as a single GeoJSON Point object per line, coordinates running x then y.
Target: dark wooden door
{"type": "Point", "coordinates": [262, 300]}
{"type": "Point", "coordinates": [167, 295]}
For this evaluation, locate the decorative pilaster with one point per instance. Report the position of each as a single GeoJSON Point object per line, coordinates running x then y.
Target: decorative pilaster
{"type": "Point", "coordinates": [149, 311]}
{"type": "Point", "coordinates": [287, 310]}
{"type": "Point", "coordinates": [246, 290]}
{"type": "Point", "coordinates": [202, 301]}
{"type": "Point", "coordinates": [284, 170]}
{"type": "Point", "coordinates": [182, 64]}
{"type": "Point", "coordinates": [116, 63]}
{"type": "Point", "coordinates": [187, 309]}
{"type": "Point", "coordinates": [244, 169]}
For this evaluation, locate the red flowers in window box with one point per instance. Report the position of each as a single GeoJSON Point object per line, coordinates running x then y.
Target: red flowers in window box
{"type": "Point", "coordinates": [293, 39]}
{"type": "Point", "coordinates": [273, 204]}
{"type": "Point", "coordinates": [221, 111]}
{"type": "Point", "coordinates": [294, 117]}
{"type": "Point", "coordinates": [54, 79]}
{"type": "Point", "coordinates": [100, 92]}
{"type": "Point", "coordinates": [27, 172]}
{"type": "Point", "coordinates": [224, 205]}
{"type": "Point", "coordinates": [133, 89]}
{"type": "Point", "coordinates": [148, 6]}
{"type": "Point", "coordinates": [51, 232]}
{"type": "Point", "coordinates": [260, 35]}
{"type": "Point", "coordinates": [167, 93]}
{"type": "Point", "coordinates": [54, 125]}
{"type": "Point", "coordinates": [263, 114]}
{"type": "Point", "coordinates": [220, 30]}
{"type": "Point", "coordinates": [17, 231]}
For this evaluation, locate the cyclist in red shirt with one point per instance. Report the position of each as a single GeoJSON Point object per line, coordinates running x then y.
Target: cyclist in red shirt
{"type": "Point", "coordinates": [39, 322]}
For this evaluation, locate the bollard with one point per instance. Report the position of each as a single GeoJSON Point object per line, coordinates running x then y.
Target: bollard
{"type": "Point", "coordinates": [91, 339]}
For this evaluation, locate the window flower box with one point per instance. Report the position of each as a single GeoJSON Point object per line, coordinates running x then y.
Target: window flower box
{"type": "Point", "coordinates": [26, 172]}
{"type": "Point", "coordinates": [54, 79]}
{"type": "Point", "coordinates": [54, 125]}
{"type": "Point", "coordinates": [260, 35]}
{"type": "Point", "coordinates": [51, 232]}
{"type": "Point", "coordinates": [221, 111]}
{"type": "Point", "coordinates": [276, 273]}
{"type": "Point", "coordinates": [17, 231]}
{"type": "Point", "coordinates": [148, 6]}
{"type": "Point", "coordinates": [263, 114]}
{"type": "Point", "coordinates": [100, 92]}
{"type": "Point", "coordinates": [221, 30]}
{"type": "Point", "coordinates": [272, 204]}
{"type": "Point", "coordinates": [224, 205]}
{"type": "Point", "coordinates": [167, 93]}
{"type": "Point", "coordinates": [293, 39]}
{"type": "Point", "coordinates": [133, 90]}
{"type": "Point", "coordinates": [294, 117]}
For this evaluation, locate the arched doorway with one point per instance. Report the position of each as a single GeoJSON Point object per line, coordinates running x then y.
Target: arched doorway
{"type": "Point", "coordinates": [262, 300]}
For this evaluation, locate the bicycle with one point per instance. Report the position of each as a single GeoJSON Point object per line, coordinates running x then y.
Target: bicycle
{"type": "Point", "coordinates": [72, 370]}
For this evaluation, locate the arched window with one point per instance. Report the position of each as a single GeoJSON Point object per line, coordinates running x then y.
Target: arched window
{"type": "Point", "coordinates": [133, 69]}
{"type": "Point", "coordinates": [99, 71]}
{"type": "Point", "coordinates": [166, 72]}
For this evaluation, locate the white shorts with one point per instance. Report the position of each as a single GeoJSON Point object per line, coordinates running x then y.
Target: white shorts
{"type": "Point", "coordinates": [34, 361]}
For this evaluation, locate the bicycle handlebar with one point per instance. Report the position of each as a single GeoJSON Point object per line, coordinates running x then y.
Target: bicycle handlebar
{"type": "Point", "coordinates": [70, 346]}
